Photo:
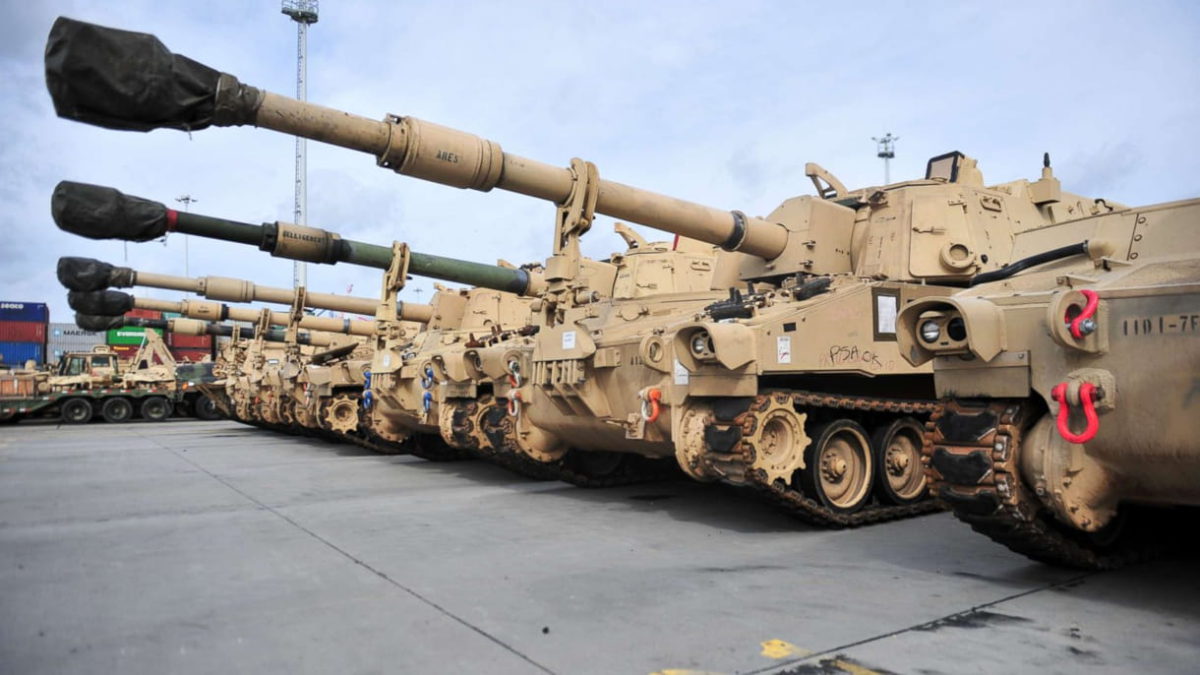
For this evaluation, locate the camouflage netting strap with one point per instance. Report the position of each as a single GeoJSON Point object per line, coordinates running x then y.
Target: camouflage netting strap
{"type": "Point", "coordinates": [125, 80]}
{"type": "Point", "coordinates": [104, 213]}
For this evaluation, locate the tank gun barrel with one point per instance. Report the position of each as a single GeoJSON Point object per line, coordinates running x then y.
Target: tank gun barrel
{"type": "Point", "coordinates": [88, 274]}
{"type": "Point", "coordinates": [96, 322]}
{"type": "Point", "coordinates": [99, 212]}
{"type": "Point", "coordinates": [115, 303]}
{"type": "Point", "coordinates": [131, 81]}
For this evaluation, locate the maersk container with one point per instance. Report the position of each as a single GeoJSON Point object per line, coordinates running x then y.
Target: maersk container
{"type": "Point", "coordinates": [17, 353]}
{"type": "Point", "coordinates": [128, 335]}
{"type": "Point", "coordinates": [69, 337]}
{"type": "Point", "coordinates": [23, 331]}
{"type": "Point", "coordinates": [24, 311]}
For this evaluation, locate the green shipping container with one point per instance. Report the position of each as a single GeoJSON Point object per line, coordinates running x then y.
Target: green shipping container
{"type": "Point", "coordinates": [127, 335]}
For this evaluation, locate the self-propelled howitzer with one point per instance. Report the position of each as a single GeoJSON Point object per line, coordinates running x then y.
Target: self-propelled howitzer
{"type": "Point", "coordinates": [794, 386]}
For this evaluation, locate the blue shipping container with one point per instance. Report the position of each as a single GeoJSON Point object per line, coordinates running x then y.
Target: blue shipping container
{"type": "Point", "coordinates": [24, 311]}
{"type": "Point", "coordinates": [17, 353]}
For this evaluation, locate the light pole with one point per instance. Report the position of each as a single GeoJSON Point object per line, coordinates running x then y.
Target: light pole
{"type": "Point", "coordinates": [304, 13]}
{"type": "Point", "coordinates": [886, 150]}
{"type": "Point", "coordinates": [187, 201]}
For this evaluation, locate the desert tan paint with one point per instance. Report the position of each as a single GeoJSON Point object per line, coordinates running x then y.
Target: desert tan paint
{"type": "Point", "coordinates": [1144, 354]}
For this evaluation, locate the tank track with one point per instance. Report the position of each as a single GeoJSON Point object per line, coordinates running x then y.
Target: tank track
{"type": "Point", "coordinates": [971, 456]}
{"type": "Point", "coordinates": [788, 497]}
{"type": "Point", "coordinates": [502, 451]}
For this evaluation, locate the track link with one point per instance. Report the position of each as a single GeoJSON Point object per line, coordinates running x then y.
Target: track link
{"type": "Point", "coordinates": [738, 423]}
{"type": "Point", "coordinates": [971, 454]}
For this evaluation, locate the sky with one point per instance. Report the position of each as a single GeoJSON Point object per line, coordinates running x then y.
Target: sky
{"type": "Point", "coordinates": [718, 102]}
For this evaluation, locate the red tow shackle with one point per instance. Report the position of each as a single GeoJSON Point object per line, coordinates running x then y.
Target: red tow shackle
{"type": "Point", "coordinates": [1089, 311]}
{"type": "Point", "coordinates": [1087, 391]}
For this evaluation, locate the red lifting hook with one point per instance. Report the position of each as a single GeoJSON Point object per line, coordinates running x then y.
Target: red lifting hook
{"type": "Point", "coordinates": [1086, 391]}
{"type": "Point", "coordinates": [1089, 310]}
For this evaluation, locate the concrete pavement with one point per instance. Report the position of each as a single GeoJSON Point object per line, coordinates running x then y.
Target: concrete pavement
{"type": "Point", "coordinates": [197, 547]}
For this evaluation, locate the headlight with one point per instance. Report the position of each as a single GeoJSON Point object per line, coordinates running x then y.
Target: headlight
{"type": "Point", "coordinates": [956, 329]}
{"type": "Point", "coordinates": [930, 331]}
{"type": "Point", "coordinates": [701, 344]}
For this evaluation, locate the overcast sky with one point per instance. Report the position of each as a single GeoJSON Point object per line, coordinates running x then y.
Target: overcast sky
{"type": "Point", "coordinates": [717, 102]}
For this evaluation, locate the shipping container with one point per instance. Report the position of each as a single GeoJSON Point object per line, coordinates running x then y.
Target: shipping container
{"type": "Point", "coordinates": [191, 355]}
{"type": "Point", "coordinates": [189, 341]}
{"type": "Point", "coordinates": [24, 311]}
{"type": "Point", "coordinates": [67, 337]}
{"type": "Point", "coordinates": [144, 314]}
{"type": "Point", "coordinates": [15, 354]}
{"type": "Point", "coordinates": [22, 331]}
{"type": "Point", "coordinates": [128, 335]}
{"type": "Point", "coordinates": [172, 315]}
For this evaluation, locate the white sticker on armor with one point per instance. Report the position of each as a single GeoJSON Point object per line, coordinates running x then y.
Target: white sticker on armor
{"type": "Point", "coordinates": [387, 360]}
{"type": "Point", "coordinates": [682, 376]}
{"type": "Point", "coordinates": [885, 313]}
{"type": "Point", "coordinates": [783, 349]}
{"type": "Point", "coordinates": [568, 341]}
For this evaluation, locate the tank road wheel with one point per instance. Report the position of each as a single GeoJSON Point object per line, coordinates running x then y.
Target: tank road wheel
{"type": "Point", "coordinates": [77, 411]}
{"type": "Point", "coordinates": [204, 408]}
{"type": "Point", "coordinates": [116, 410]}
{"type": "Point", "coordinates": [287, 413]}
{"type": "Point", "coordinates": [899, 477]}
{"type": "Point", "coordinates": [778, 441]}
{"type": "Point", "coordinates": [839, 467]}
{"type": "Point", "coordinates": [341, 414]}
{"type": "Point", "coordinates": [156, 408]}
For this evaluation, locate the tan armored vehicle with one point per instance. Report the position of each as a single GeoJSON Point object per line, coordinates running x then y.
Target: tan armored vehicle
{"type": "Point", "coordinates": [792, 385]}
{"type": "Point", "coordinates": [442, 381]}
{"type": "Point", "coordinates": [278, 396]}
{"type": "Point", "coordinates": [1070, 379]}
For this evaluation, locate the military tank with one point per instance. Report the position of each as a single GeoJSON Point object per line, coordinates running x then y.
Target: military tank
{"type": "Point", "coordinates": [401, 399]}
{"type": "Point", "coordinates": [1070, 428]}
{"type": "Point", "coordinates": [461, 372]}
{"type": "Point", "coordinates": [793, 385]}
{"type": "Point", "coordinates": [101, 310]}
{"type": "Point", "coordinates": [283, 395]}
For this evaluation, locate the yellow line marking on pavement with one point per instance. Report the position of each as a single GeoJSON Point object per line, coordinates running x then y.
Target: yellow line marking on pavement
{"type": "Point", "coordinates": [853, 668]}
{"type": "Point", "coordinates": [780, 649]}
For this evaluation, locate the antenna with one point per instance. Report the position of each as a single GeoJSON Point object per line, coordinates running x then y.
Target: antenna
{"type": "Point", "coordinates": [304, 13]}
{"type": "Point", "coordinates": [886, 150]}
{"type": "Point", "coordinates": [187, 201]}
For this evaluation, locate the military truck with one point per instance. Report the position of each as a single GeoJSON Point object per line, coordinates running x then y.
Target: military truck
{"type": "Point", "coordinates": [86, 383]}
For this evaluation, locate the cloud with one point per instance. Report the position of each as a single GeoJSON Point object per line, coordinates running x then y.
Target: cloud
{"type": "Point", "coordinates": [721, 103]}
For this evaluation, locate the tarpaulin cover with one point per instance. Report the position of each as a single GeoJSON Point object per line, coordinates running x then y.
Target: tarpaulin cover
{"type": "Point", "coordinates": [111, 303]}
{"type": "Point", "coordinates": [97, 323]}
{"type": "Point", "coordinates": [125, 80]}
{"type": "Point", "coordinates": [99, 212]}
{"type": "Point", "coordinates": [84, 274]}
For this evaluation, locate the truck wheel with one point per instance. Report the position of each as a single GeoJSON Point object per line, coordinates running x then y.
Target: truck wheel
{"type": "Point", "coordinates": [77, 411]}
{"type": "Point", "coordinates": [116, 409]}
{"type": "Point", "coordinates": [204, 408]}
{"type": "Point", "coordinates": [156, 409]}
